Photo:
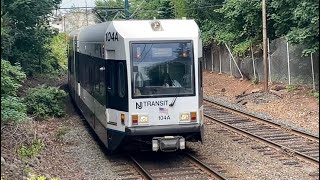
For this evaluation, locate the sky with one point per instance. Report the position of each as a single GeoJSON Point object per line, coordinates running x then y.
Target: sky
{"type": "Point", "coordinates": [77, 3]}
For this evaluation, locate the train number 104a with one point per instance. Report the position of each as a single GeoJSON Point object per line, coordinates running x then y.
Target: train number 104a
{"type": "Point", "coordinates": [112, 36]}
{"type": "Point", "coordinates": [164, 117]}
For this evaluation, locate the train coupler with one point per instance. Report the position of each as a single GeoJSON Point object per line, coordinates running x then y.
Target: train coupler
{"type": "Point", "coordinates": [168, 143]}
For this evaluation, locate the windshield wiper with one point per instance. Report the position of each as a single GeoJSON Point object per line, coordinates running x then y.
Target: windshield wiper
{"type": "Point", "coordinates": [173, 101]}
{"type": "Point", "coordinates": [175, 98]}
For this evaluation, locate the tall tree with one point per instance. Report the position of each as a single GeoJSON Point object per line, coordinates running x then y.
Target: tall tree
{"type": "Point", "coordinates": [29, 31]}
{"type": "Point", "coordinates": [105, 10]}
{"type": "Point", "coordinates": [139, 9]}
{"type": "Point", "coordinates": [298, 20]}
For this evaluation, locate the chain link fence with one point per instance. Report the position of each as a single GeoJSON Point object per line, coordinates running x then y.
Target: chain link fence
{"type": "Point", "coordinates": [286, 64]}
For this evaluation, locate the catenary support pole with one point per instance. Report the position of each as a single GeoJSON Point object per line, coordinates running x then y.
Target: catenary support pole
{"type": "Point", "coordinates": [205, 60]}
{"type": "Point", "coordinates": [288, 58]}
{"type": "Point", "coordinates": [313, 83]}
{"type": "Point", "coordinates": [264, 32]}
{"type": "Point", "coordinates": [254, 67]}
{"type": "Point", "coordinates": [212, 58]}
{"type": "Point", "coordinates": [220, 71]}
{"type": "Point", "coordinates": [230, 65]}
{"type": "Point", "coordinates": [269, 61]}
{"type": "Point", "coordinates": [126, 9]}
{"type": "Point", "coordinates": [87, 13]}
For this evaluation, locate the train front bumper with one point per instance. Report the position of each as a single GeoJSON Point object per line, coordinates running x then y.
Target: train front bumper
{"type": "Point", "coordinates": [190, 132]}
{"type": "Point", "coordinates": [163, 129]}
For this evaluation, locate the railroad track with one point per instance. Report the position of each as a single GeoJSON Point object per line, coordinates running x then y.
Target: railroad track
{"type": "Point", "coordinates": [174, 166]}
{"type": "Point", "coordinates": [303, 145]}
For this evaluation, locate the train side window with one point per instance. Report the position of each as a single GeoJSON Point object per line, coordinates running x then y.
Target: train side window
{"type": "Point", "coordinates": [111, 78]}
{"type": "Point", "coordinates": [86, 74]}
{"type": "Point", "coordinates": [121, 80]}
{"type": "Point", "coordinates": [102, 80]}
{"type": "Point", "coordinates": [97, 77]}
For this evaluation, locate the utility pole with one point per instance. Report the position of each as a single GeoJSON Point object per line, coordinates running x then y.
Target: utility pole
{"type": "Point", "coordinates": [64, 23]}
{"type": "Point", "coordinates": [87, 13]}
{"type": "Point", "coordinates": [265, 55]}
{"type": "Point", "coordinates": [126, 8]}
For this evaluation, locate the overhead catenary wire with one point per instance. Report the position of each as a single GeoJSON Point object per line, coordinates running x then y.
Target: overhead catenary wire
{"type": "Point", "coordinates": [139, 6]}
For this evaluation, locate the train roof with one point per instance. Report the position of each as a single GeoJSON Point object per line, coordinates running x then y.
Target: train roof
{"type": "Point", "coordinates": [140, 29]}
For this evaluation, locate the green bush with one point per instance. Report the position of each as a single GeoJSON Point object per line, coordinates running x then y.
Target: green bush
{"type": "Point", "coordinates": [44, 101]}
{"type": "Point", "coordinates": [11, 78]}
{"type": "Point", "coordinates": [12, 109]}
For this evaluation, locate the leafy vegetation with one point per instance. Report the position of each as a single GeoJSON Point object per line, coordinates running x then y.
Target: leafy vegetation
{"type": "Point", "coordinates": [12, 107]}
{"type": "Point", "coordinates": [140, 9]}
{"type": "Point", "coordinates": [32, 150]}
{"type": "Point", "coordinates": [25, 33]}
{"type": "Point", "coordinates": [44, 101]}
{"type": "Point", "coordinates": [235, 22]}
{"type": "Point", "coordinates": [58, 46]}
{"type": "Point", "coordinates": [11, 78]}
{"type": "Point", "coordinates": [41, 178]}
{"type": "Point", "coordinates": [315, 94]}
{"type": "Point", "coordinates": [291, 88]}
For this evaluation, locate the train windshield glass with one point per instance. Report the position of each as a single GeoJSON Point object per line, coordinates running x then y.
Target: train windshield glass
{"type": "Point", "coordinates": [162, 69]}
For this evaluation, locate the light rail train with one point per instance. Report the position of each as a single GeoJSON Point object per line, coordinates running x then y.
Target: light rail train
{"type": "Point", "coordinates": [139, 82]}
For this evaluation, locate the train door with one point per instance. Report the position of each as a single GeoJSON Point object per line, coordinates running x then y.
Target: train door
{"type": "Point", "coordinates": [117, 100]}
{"type": "Point", "coordinates": [99, 94]}
{"type": "Point", "coordinates": [117, 87]}
{"type": "Point", "coordinates": [111, 91]}
{"type": "Point", "coordinates": [76, 68]}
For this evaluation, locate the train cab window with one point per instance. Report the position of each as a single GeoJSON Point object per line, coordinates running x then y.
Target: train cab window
{"type": "Point", "coordinates": [162, 69]}
{"type": "Point", "coordinates": [121, 80]}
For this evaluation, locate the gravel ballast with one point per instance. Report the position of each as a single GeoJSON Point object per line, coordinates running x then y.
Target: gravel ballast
{"type": "Point", "coordinates": [242, 162]}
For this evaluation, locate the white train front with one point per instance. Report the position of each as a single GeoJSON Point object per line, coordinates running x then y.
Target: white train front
{"type": "Point", "coordinates": [139, 82]}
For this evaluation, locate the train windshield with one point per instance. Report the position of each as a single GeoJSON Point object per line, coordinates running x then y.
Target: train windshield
{"type": "Point", "coordinates": [162, 69]}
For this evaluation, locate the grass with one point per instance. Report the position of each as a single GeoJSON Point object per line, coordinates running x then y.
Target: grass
{"type": "Point", "coordinates": [61, 132]}
{"type": "Point", "coordinates": [291, 88]}
{"type": "Point", "coordinates": [315, 94]}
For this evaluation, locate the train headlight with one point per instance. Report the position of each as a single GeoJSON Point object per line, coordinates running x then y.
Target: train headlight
{"type": "Point", "coordinates": [184, 117]}
{"type": "Point", "coordinates": [156, 26]}
{"type": "Point", "coordinates": [144, 119]}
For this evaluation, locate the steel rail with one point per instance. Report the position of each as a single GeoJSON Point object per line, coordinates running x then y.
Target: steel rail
{"type": "Point", "coordinates": [266, 141]}
{"type": "Point", "coordinates": [141, 170]}
{"type": "Point", "coordinates": [242, 113]}
{"type": "Point", "coordinates": [205, 167]}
